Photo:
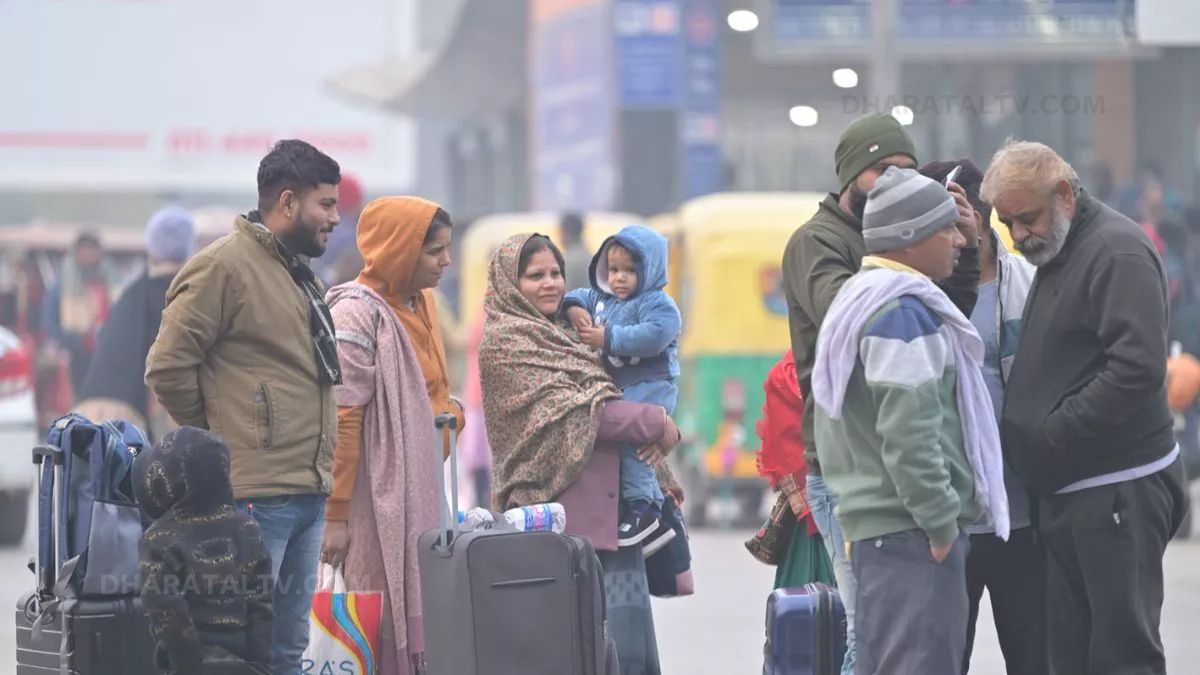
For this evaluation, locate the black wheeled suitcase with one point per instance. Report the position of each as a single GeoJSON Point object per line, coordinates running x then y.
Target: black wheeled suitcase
{"type": "Point", "coordinates": [59, 632]}
{"type": "Point", "coordinates": [103, 637]}
{"type": "Point", "coordinates": [502, 601]}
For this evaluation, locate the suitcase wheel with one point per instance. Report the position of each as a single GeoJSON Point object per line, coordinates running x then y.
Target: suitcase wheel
{"type": "Point", "coordinates": [31, 609]}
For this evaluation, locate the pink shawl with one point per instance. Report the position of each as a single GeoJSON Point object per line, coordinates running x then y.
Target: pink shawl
{"type": "Point", "coordinates": [400, 461]}
{"type": "Point", "coordinates": [473, 449]}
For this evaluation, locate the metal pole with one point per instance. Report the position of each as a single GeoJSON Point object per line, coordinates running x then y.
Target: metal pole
{"type": "Point", "coordinates": [885, 60]}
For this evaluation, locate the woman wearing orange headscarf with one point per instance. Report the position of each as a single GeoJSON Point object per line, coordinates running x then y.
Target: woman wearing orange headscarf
{"type": "Point", "coordinates": [384, 468]}
{"type": "Point", "coordinates": [405, 245]}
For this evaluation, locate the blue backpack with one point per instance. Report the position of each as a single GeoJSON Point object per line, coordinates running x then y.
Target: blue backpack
{"type": "Point", "coordinates": [89, 549]}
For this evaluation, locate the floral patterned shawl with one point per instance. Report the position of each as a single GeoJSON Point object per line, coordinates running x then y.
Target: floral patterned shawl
{"type": "Point", "coordinates": [542, 391]}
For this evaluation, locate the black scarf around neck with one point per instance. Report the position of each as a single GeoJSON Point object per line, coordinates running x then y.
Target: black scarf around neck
{"type": "Point", "coordinates": [319, 318]}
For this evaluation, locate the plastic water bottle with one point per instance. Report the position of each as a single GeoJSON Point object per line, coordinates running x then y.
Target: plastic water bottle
{"type": "Point", "coordinates": [476, 519]}
{"type": "Point", "coordinates": [539, 517]}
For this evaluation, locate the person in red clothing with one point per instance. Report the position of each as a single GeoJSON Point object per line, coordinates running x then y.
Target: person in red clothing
{"type": "Point", "coordinates": [789, 538]}
{"type": "Point", "coordinates": [76, 305]}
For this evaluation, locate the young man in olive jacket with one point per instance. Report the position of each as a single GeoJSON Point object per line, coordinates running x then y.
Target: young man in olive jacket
{"type": "Point", "coordinates": [1086, 425]}
{"type": "Point", "coordinates": [819, 258]}
{"type": "Point", "coordinates": [246, 351]}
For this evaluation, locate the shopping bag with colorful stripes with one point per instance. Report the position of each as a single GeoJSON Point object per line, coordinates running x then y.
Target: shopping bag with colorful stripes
{"type": "Point", "coordinates": [343, 635]}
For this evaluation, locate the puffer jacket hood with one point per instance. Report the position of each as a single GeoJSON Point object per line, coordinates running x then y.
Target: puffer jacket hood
{"type": "Point", "coordinates": [649, 250]}
{"type": "Point", "coordinates": [188, 470]}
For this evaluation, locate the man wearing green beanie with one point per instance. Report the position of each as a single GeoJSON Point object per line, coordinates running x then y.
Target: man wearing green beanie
{"type": "Point", "coordinates": [819, 258]}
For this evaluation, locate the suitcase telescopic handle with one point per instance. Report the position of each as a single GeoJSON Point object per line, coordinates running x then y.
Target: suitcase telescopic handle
{"type": "Point", "coordinates": [446, 421]}
{"type": "Point", "coordinates": [447, 427]}
{"type": "Point", "coordinates": [43, 452]}
{"type": "Point", "coordinates": [49, 459]}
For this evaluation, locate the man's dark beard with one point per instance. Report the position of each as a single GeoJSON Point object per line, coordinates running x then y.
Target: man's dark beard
{"type": "Point", "coordinates": [303, 241]}
{"type": "Point", "coordinates": [858, 201]}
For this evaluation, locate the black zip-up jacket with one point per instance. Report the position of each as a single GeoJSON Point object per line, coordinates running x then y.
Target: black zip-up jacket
{"type": "Point", "coordinates": [205, 571]}
{"type": "Point", "coordinates": [1087, 392]}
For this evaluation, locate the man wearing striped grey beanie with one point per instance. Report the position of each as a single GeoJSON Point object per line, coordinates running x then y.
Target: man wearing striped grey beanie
{"type": "Point", "coordinates": [911, 218]}
{"type": "Point", "coordinates": [905, 430]}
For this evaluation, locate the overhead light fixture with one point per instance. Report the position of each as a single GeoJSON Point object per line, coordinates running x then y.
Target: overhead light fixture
{"type": "Point", "coordinates": [903, 115]}
{"type": "Point", "coordinates": [743, 20]}
{"type": "Point", "coordinates": [803, 115]}
{"type": "Point", "coordinates": [845, 78]}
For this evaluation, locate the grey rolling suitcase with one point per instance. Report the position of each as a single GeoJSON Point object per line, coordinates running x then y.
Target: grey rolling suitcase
{"type": "Point", "coordinates": [102, 637]}
{"type": "Point", "coordinates": [82, 636]}
{"type": "Point", "coordinates": [502, 602]}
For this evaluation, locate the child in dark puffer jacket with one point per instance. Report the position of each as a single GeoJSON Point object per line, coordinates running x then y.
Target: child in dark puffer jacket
{"type": "Point", "coordinates": [205, 571]}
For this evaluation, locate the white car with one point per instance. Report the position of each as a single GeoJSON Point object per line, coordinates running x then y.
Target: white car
{"type": "Point", "coordinates": [18, 436]}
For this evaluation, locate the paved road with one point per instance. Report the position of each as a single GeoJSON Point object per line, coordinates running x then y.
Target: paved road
{"type": "Point", "coordinates": [719, 630]}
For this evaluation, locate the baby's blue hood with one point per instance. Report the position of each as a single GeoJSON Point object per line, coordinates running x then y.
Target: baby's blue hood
{"type": "Point", "coordinates": [650, 250]}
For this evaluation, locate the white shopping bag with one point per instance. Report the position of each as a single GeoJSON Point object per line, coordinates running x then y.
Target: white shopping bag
{"type": "Point", "coordinates": [343, 633]}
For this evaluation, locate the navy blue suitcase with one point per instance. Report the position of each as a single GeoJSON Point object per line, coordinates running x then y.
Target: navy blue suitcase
{"type": "Point", "coordinates": [806, 631]}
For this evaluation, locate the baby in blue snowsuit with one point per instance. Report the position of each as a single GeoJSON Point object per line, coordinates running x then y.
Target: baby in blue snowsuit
{"type": "Point", "coordinates": [635, 325]}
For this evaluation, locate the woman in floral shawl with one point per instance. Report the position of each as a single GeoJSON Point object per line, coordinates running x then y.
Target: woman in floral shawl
{"type": "Point", "coordinates": [555, 421]}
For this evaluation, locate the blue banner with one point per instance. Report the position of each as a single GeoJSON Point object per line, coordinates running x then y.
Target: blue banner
{"type": "Point", "coordinates": [1031, 21]}
{"type": "Point", "coordinates": [700, 123]}
{"type": "Point", "coordinates": [649, 53]}
{"type": "Point", "coordinates": [573, 106]}
{"type": "Point", "coordinates": [822, 20]}
{"type": "Point", "coordinates": [1045, 21]}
